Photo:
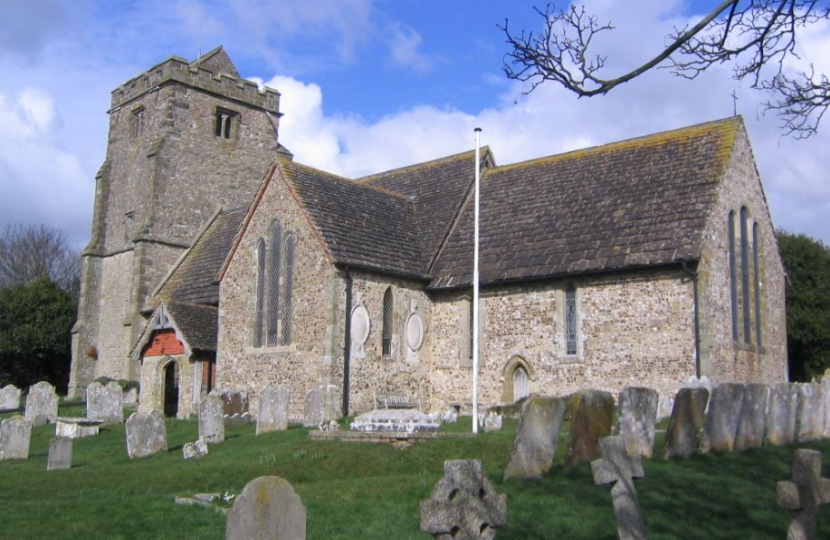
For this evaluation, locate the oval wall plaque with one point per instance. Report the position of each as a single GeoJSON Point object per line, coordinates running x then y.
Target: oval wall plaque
{"type": "Point", "coordinates": [414, 331]}
{"type": "Point", "coordinates": [360, 324]}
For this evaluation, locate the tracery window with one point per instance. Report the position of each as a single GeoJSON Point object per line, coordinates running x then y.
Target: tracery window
{"type": "Point", "coordinates": [570, 321]}
{"type": "Point", "coordinates": [274, 288]}
{"type": "Point", "coordinates": [388, 305]}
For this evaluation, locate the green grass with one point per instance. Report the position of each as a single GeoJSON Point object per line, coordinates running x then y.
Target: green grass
{"type": "Point", "coordinates": [370, 491]}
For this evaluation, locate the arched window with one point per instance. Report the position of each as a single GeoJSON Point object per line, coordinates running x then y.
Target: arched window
{"type": "Point", "coordinates": [733, 276]}
{"type": "Point", "coordinates": [274, 252]}
{"type": "Point", "coordinates": [287, 290]}
{"type": "Point", "coordinates": [745, 297]}
{"type": "Point", "coordinates": [388, 306]}
{"type": "Point", "coordinates": [260, 292]}
{"type": "Point", "coordinates": [756, 272]}
{"type": "Point", "coordinates": [570, 320]}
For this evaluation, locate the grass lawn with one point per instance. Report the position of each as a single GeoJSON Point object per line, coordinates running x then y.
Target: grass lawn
{"type": "Point", "coordinates": [371, 491]}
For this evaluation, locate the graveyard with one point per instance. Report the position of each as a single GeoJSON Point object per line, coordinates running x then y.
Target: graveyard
{"type": "Point", "coordinates": [373, 491]}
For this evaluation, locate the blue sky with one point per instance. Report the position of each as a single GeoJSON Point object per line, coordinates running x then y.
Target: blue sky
{"type": "Point", "coordinates": [367, 85]}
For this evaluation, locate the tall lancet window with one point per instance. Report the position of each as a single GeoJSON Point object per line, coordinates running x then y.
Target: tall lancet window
{"type": "Point", "coordinates": [756, 272]}
{"type": "Point", "coordinates": [733, 276]}
{"type": "Point", "coordinates": [260, 292]}
{"type": "Point", "coordinates": [388, 305]}
{"type": "Point", "coordinates": [745, 296]}
{"type": "Point", "coordinates": [274, 254]}
{"type": "Point", "coordinates": [570, 320]}
{"type": "Point", "coordinates": [287, 290]}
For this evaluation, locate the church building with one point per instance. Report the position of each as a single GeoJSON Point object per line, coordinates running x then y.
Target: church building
{"type": "Point", "coordinates": [637, 263]}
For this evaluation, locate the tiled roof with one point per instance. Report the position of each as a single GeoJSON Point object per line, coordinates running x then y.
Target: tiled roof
{"type": "Point", "coordinates": [197, 324]}
{"type": "Point", "coordinates": [437, 189]}
{"type": "Point", "coordinates": [193, 280]}
{"type": "Point", "coordinates": [638, 202]}
{"type": "Point", "coordinates": [361, 225]}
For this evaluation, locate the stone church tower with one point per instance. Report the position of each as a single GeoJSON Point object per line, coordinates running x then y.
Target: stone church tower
{"type": "Point", "coordinates": [185, 139]}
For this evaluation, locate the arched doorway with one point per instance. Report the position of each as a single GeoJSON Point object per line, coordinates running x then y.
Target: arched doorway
{"type": "Point", "coordinates": [171, 389]}
{"type": "Point", "coordinates": [519, 380]}
{"type": "Point", "coordinates": [521, 383]}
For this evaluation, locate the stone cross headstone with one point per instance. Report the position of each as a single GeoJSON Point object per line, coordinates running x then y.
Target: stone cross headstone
{"type": "Point", "coordinates": [620, 469]}
{"type": "Point", "coordinates": [810, 416]}
{"type": "Point", "coordinates": [195, 449]}
{"type": "Point", "coordinates": [782, 410]}
{"type": "Point", "coordinates": [9, 397]}
{"type": "Point", "coordinates": [60, 454]}
{"type": "Point", "coordinates": [722, 421]}
{"type": "Point", "coordinates": [105, 403]}
{"type": "Point", "coordinates": [41, 404]}
{"type": "Point", "coordinates": [146, 434]}
{"type": "Point", "coordinates": [592, 418]}
{"type": "Point", "coordinates": [211, 419]}
{"type": "Point", "coordinates": [463, 505]}
{"type": "Point", "coordinates": [273, 410]}
{"type": "Point", "coordinates": [636, 417]}
{"type": "Point", "coordinates": [687, 419]}
{"type": "Point", "coordinates": [753, 417]}
{"type": "Point", "coordinates": [15, 435]}
{"type": "Point", "coordinates": [267, 509]}
{"type": "Point", "coordinates": [803, 495]}
{"type": "Point", "coordinates": [534, 446]}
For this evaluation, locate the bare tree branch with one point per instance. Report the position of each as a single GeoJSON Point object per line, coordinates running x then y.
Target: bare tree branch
{"type": "Point", "coordinates": [32, 252]}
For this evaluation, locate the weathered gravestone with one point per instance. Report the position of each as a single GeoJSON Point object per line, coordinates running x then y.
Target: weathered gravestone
{"type": "Point", "coordinates": [273, 410]}
{"type": "Point", "coordinates": [234, 402]}
{"type": "Point", "coordinates": [825, 395]}
{"type": "Point", "coordinates": [211, 419]}
{"type": "Point", "coordinates": [751, 425]}
{"type": "Point", "coordinates": [534, 447]}
{"type": "Point", "coordinates": [722, 421]}
{"type": "Point", "coordinates": [803, 495]}
{"type": "Point", "coordinates": [810, 417]}
{"type": "Point", "coordinates": [146, 434]}
{"type": "Point", "coordinates": [687, 419]}
{"type": "Point", "coordinates": [105, 403]}
{"type": "Point", "coordinates": [463, 505]}
{"type": "Point", "coordinates": [782, 410]}
{"type": "Point", "coordinates": [267, 509]}
{"type": "Point", "coordinates": [620, 469]}
{"type": "Point", "coordinates": [592, 418]}
{"type": "Point", "coordinates": [321, 405]}
{"type": "Point", "coordinates": [15, 434]}
{"type": "Point", "coordinates": [491, 421]}
{"type": "Point", "coordinates": [637, 414]}
{"type": "Point", "coordinates": [9, 397]}
{"type": "Point", "coordinates": [195, 449]}
{"type": "Point", "coordinates": [60, 454]}
{"type": "Point", "coordinates": [41, 404]}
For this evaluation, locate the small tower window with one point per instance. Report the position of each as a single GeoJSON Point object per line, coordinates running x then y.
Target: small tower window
{"type": "Point", "coordinates": [224, 124]}
{"type": "Point", "coordinates": [137, 123]}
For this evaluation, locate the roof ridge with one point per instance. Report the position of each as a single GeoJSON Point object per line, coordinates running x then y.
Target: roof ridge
{"type": "Point", "coordinates": [734, 121]}
{"type": "Point", "coordinates": [344, 179]}
{"type": "Point", "coordinates": [417, 166]}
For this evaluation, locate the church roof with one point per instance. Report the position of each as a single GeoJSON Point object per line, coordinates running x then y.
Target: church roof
{"type": "Point", "coordinates": [195, 325]}
{"type": "Point", "coordinates": [629, 204]}
{"type": "Point", "coordinates": [193, 278]}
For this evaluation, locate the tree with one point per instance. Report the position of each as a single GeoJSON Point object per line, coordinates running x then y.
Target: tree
{"type": "Point", "coordinates": [807, 262]}
{"type": "Point", "coordinates": [757, 36]}
{"type": "Point", "coordinates": [32, 252]}
{"type": "Point", "coordinates": [35, 324]}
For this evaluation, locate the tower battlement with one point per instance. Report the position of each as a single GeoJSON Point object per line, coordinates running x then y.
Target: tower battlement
{"type": "Point", "coordinates": [178, 70]}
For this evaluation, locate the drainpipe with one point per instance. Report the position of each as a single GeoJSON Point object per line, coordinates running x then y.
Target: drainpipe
{"type": "Point", "coordinates": [347, 346]}
{"type": "Point", "coordinates": [697, 319]}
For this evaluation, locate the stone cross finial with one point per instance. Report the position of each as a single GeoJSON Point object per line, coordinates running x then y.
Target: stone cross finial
{"type": "Point", "coordinates": [804, 494]}
{"type": "Point", "coordinates": [618, 468]}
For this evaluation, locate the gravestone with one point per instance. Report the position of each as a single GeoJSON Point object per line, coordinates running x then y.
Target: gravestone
{"type": "Point", "coordinates": [273, 410]}
{"type": "Point", "coordinates": [592, 418]}
{"type": "Point", "coordinates": [9, 397]}
{"type": "Point", "coordinates": [620, 469]}
{"type": "Point", "coordinates": [15, 434]}
{"type": "Point", "coordinates": [146, 434]}
{"type": "Point", "coordinates": [751, 425]}
{"type": "Point", "coordinates": [810, 417]}
{"type": "Point", "coordinates": [636, 417]}
{"type": "Point", "coordinates": [195, 449]}
{"type": "Point", "coordinates": [211, 419]}
{"type": "Point", "coordinates": [803, 495]}
{"type": "Point", "coordinates": [463, 505]}
{"type": "Point", "coordinates": [491, 421]}
{"type": "Point", "coordinates": [722, 421]}
{"type": "Point", "coordinates": [534, 447]}
{"type": "Point", "coordinates": [41, 404]}
{"type": "Point", "coordinates": [267, 509]}
{"type": "Point", "coordinates": [105, 403]}
{"type": "Point", "coordinates": [687, 419]}
{"type": "Point", "coordinates": [60, 454]}
{"type": "Point", "coordinates": [321, 405]}
{"type": "Point", "coordinates": [234, 402]}
{"type": "Point", "coordinates": [782, 411]}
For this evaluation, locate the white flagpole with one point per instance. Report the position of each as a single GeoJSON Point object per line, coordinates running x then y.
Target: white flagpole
{"type": "Point", "coordinates": [475, 285]}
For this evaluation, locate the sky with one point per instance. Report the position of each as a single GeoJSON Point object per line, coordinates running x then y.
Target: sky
{"type": "Point", "coordinates": [368, 85]}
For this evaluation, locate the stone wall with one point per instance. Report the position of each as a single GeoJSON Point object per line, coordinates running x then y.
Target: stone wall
{"type": "Point", "coordinates": [724, 359]}
{"type": "Point", "coordinates": [151, 396]}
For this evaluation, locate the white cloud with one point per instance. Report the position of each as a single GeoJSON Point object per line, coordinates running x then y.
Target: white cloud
{"type": "Point", "coordinates": [404, 49]}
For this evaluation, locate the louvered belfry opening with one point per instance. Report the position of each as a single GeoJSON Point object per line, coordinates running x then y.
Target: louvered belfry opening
{"type": "Point", "coordinates": [287, 295]}
{"type": "Point", "coordinates": [387, 322]}
{"type": "Point", "coordinates": [274, 254]}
